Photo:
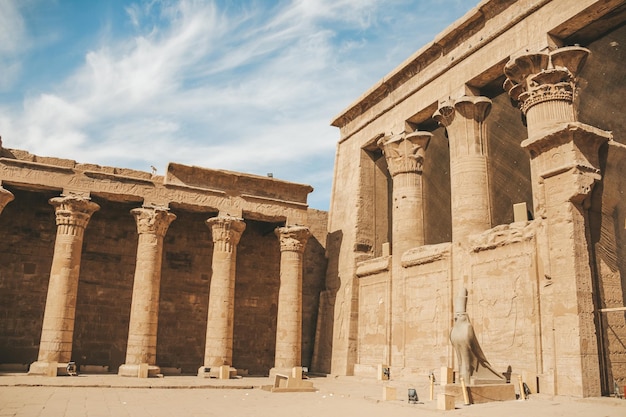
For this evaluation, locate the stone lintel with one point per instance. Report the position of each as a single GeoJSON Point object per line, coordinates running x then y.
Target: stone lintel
{"type": "Point", "coordinates": [373, 266]}
{"type": "Point", "coordinates": [236, 183]}
{"type": "Point", "coordinates": [503, 235]}
{"type": "Point", "coordinates": [426, 254]}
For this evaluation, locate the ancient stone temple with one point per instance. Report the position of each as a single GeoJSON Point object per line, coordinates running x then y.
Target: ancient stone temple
{"type": "Point", "coordinates": [493, 159]}
{"type": "Point", "coordinates": [139, 274]}
{"type": "Point", "coordinates": [491, 162]}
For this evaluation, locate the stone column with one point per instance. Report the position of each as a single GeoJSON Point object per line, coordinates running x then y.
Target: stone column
{"type": "Point", "coordinates": [5, 198]}
{"type": "Point", "coordinates": [55, 349]}
{"type": "Point", "coordinates": [293, 241]}
{"type": "Point", "coordinates": [404, 154]}
{"type": "Point", "coordinates": [226, 232]}
{"type": "Point", "coordinates": [565, 166]}
{"type": "Point", "coordinates": [152, 224]}
{"type": "Point", "coordinates": [469, 186]}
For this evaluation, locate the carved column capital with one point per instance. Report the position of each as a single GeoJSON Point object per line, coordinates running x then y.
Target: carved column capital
{"type": "Point", "coordinates": [473, 108]}
{"type": "Point", "coordinates": [5, 197]}
{"type": "Point", "coordinates": [405, 152]}
{"type": "Point", "coordinates": [226, 230]}
{"type": "Point", "coordinates": [463, 120]}
{"type": "Point", "coordinates": [543, 85]}
{"type": "Point", "coordinates": [153, 220]}
{"type": "Point", "coordinates": [73, 210]}
{"type": "Point", "coordinates": [293, 238]}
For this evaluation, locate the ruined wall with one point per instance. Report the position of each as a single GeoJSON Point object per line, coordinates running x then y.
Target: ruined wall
{"type": "Point", "coordinates": [27, 233]}
{"type": "Point", "coordinates": [183, 303]}
{"type": "Point", "coordinates": [428, 314]}
{"type": "Point", "coordinates": [503, 298]}
{"type": "Point", "coordinates": [105, 286]}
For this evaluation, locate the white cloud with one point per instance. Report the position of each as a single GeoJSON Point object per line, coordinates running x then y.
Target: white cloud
{"type": "Point", "coordinates": [248, 87]}
{"type": "Point", "coordinates": [13, 40]}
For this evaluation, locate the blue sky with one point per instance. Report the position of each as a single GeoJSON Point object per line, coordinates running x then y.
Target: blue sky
{"type": "Point", "coordinates": [248, 86]}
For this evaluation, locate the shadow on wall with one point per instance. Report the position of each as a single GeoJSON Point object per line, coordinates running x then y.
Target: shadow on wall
{"type": "Point", "coordinates": [322, 352]}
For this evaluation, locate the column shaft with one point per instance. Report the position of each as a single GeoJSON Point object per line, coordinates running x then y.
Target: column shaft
{"type": "Point", "coordinates": [289, 317]}
{"type": "Point", "coordinates": [152, 224]}
{"type": "Point", "coordinates": [72, 215]}
{"type": "Point", "coordinates": [469, 185]}
{"type": "Point", "coordinates": [404, 154]}
{"type": "Point", "coordinates": [226, 232]}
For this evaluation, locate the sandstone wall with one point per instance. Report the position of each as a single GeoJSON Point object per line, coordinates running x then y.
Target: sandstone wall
{"type": "Point", "coordinates": [105, 289]}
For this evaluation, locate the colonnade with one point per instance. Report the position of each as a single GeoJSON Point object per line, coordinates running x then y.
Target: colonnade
{"type": "Point", "coordinates": [73, 213]}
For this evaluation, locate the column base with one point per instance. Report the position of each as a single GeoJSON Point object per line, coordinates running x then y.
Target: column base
{"type": "Point", "coordinates": [142, 370]}
{"type": "Point", "coordinates": [219, 372]}
{"type": "Point", "coordinates": [45, 368]}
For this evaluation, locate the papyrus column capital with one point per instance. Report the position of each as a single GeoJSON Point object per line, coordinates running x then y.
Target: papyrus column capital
{"type": "Point", "coordinates": [405, 152]}
{"type": "Point", "coordinates": [73, 210]}
{"type": "Point", "coordinates": [293, 238]}
{"type": "Point", "coordinates": [5, 197]}
{"type": "Point", "coordinates": [226, 230]}
{"type": "Point", "coordinates": [474, 108]}
{"type": "Point", "coordinates": [463, 119]}
{"type": "Point", "coordinates": [153, 220]}
{"type": "Point", "coordinates": [543, 84]}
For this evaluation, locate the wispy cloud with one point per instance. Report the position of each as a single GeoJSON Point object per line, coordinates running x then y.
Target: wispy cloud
{"type": "Point", "coordinates": [13, 39]}
{"type": "Point", "coordinates": [247, 86]}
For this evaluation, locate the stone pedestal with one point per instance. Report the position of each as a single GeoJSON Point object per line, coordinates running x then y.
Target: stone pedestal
{"type": "Point", "coordinates": [226, 232]}
{"type": "Point", "coordinates": [289, 317]}
{"type": "Point", "coordinates": [5, 198]}
{"type": "Point", "coordinates": [55, 349]}
{"type": "Point", "coordinates": [565, 166]}
{"type": "Point", "coordinates": [481, 393]}
{"type": "Point", "coordinates": [445, 402]}
{"type": "Point", "coordinates": [152, 224]}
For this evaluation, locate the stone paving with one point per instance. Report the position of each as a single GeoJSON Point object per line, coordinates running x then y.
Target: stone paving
{"type": "Point", "coordinates": [110, 395]}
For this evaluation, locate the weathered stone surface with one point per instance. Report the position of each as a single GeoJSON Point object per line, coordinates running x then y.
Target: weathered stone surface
{"type": "Point", "coordinates": [534, 285]}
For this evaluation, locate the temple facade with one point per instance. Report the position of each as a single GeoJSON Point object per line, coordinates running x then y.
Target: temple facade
{"type": "Point", "coordinates": [493, 159]}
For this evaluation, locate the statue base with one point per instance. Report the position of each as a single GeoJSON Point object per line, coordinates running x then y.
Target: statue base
{"type": "Point", "coordinates": [484, 393]}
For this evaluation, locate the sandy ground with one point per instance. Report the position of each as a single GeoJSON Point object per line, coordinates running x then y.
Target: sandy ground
{"type": "Point", "coordinates": [110, 395]}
